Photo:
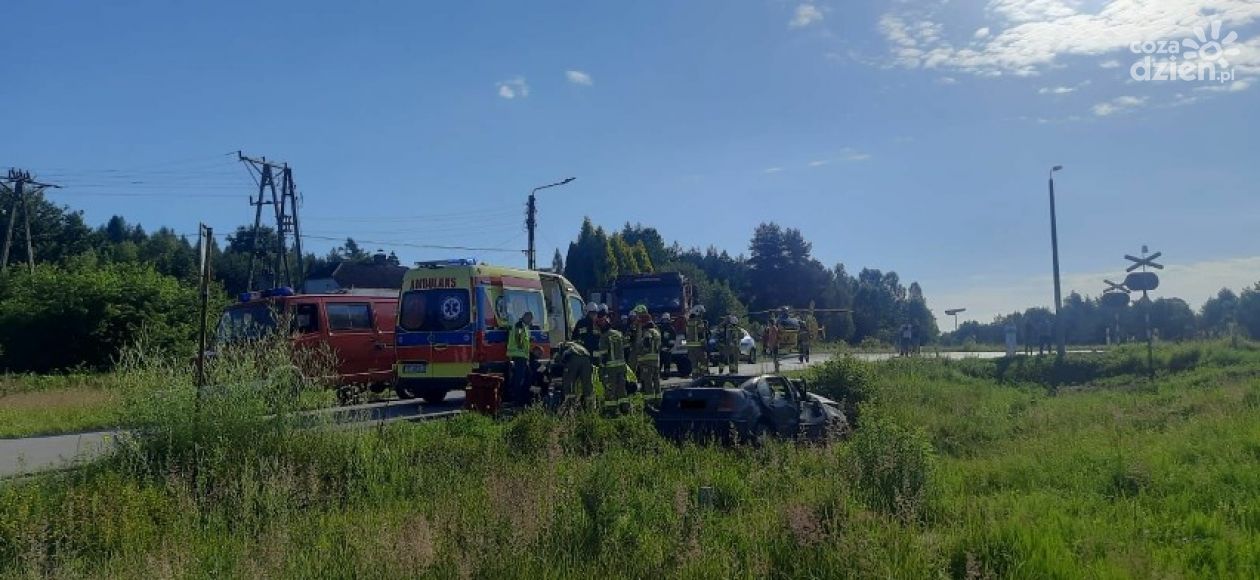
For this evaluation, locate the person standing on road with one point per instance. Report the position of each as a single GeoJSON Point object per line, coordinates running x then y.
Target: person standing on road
{"type": "Point", "coordinates": [697, 336]}
{"type": "Point", "coordinates": [731, 335]}
{"type": "Point", "coordinates": [1044, 345]}
{"type": "Point", "coordinates": [649, 357]}
{"type": "Point", "coordinates": [668, 337]}
{"type": "Point", "coordinates": [771, 342]}
{"type": "Point", "coordinates": [1028, 337]}
{"type": "Point", "coordinates": [805, 339]}
{"type": "Point", "coordinates": [518, 348]}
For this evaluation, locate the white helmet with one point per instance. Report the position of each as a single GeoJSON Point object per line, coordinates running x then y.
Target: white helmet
{"type": "Point", "coordinates": [665, 317]}
{"type": "Point", "coordinates": [697, 309]}
{"type": "Point", "coordinates": [592, 307]}
{"type": "Point", "coordinates": [734, 319]}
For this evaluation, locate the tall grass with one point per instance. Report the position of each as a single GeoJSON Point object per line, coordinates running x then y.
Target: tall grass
{"type": "Point", "coordinates": [948, 474]}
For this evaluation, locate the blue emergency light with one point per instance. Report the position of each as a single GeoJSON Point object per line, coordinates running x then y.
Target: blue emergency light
{"type": "Point", "coordinates": [272, 293]}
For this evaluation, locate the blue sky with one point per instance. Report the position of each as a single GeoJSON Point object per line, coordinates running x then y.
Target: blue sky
{"type": "Point", "coordinates": [913, 136]}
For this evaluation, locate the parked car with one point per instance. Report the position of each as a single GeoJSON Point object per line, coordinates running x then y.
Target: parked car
{"type": "Point", "coordinates": [747, 348]}
{"type": "Point", "coordinates": [748, 408]}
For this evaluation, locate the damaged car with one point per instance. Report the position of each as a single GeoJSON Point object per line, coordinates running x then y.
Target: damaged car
{"type": "Point", "coordinates": [748, 408]}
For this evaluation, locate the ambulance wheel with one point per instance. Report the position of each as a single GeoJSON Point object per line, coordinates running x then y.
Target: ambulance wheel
{"type": "Point", "coordinates": [752, 356]}
{"type": "Point", "coordinates": [404, 393]}
{"type": "Point", "coordinates": [434, 395]}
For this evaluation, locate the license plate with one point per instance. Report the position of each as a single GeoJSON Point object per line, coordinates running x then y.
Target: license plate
{"type": "Point", "coordinates": [415, 368]}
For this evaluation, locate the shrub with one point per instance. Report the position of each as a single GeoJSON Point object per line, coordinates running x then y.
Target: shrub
{"type": "Point", "coordinates": [55, 319]}
{"type": "Point", "coordinates": [846, 380]}
{"type": "Point", "coordinates": [892, 467]}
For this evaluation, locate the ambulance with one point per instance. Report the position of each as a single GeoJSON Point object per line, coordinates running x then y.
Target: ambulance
{"type": "Point", "coordinates": [454, 317]}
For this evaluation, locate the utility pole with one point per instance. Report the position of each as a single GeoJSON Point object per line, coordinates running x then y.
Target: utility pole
{"type": "Point", "coordinates": [1059, 331]}
{"type": "Point", "coordinates": [16, 183]}
{"type": "Point", "coordinates": [531, 221]}
{"type": "Point", "coordinates": [283, 200]}
{"type": "Point", "coordinates": [206, 233]}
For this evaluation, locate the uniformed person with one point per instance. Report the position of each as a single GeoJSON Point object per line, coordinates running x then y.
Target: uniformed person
{"type": "Point", "coordinates": [697, 336]}
{"type": "Point", "coordinates": [649, 357]}
{"type": "Point", "coordinates": [578, 390]}
{"type": "Point", "coordinates": [612, 362]}
{"type": "Point", "coordinates": [586, 331]}
{"type": "Point", "coordinates": [807, 333]}
{"type": "Point", "coordinates": [668, 337]}
{"type": "Point", "coordinates": [518, 349]}
{"type": "Point", "coordinates": [729, 344]}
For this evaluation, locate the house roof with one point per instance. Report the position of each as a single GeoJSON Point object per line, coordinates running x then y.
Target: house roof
{"type": "Point", "coordinates": [358, 275]}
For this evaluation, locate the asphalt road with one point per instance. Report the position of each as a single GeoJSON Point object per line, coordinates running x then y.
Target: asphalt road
{"type": "Point", "coordinates": [32, 454]}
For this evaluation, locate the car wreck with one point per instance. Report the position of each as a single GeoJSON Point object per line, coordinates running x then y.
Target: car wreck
{"type": "Point", "coordinates": [748, 408]}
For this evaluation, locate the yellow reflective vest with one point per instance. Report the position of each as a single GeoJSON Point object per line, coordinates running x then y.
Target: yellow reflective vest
{"type": "Point", "coordinates": [518, 341]}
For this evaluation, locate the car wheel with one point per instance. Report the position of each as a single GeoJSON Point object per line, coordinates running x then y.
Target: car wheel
{"type": "Point", "coordinates": [760, 433]}
{"type": "Point", "coordinates": [434, 395]}
{"type": "Point", "coordinates": [404, 393]}
{"type": "Point", "coordinates": [752, 356]}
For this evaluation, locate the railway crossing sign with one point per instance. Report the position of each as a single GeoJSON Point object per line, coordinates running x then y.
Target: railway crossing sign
{"type": "Point", "coordinates": [1144, 261]}
{"type": "Point", "coordinates": [1114, 287]}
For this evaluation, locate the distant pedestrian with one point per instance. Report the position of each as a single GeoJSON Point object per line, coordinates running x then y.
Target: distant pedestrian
{"type": "Point", "coordinates": [1028, 337]}
{"type": "Point", "coordinates": [1044, 342]}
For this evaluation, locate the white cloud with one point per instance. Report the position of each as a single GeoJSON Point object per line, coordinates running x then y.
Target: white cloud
{"type": "Point", "coordinates": [1119, 105]}
{"type": "Point", "coordinates": [772, 170]}
{"type": "Point", "coordinates": [1061, 90]}
{"type": "Point", "coordinates": [805, 15]}
{"type": "Point", "coordinates": [981, 33]}
{"type": "Point", "coordinates": [819, 163]}
{"type": "Point", "coordinates": [1233, 87]}
{"type": "Point", "coordinates": [578, 77]}
{"type": "Point", "coordinates": [947, 80]}
{"type": "Point", "coordinates": [1037, 33]}
{"type": "Point", "coordinates": [513, 88]}
{"type": "Point", "coordinates": [1112, 63]}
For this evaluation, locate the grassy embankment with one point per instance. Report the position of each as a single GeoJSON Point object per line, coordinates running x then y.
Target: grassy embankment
{"type": "Point", "coordinates": [45, 405]}
{"type": "Point", "coordinates": [958, 468]}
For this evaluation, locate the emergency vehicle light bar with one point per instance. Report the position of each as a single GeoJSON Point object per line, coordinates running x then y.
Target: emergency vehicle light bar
{"type": "Point", "coordinates": [259, 295]}
{"type": "Point", "coordinates": [447, 263]}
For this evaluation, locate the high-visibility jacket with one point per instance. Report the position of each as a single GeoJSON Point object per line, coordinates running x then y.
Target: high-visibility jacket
{"type": "Point", "coordinates": [696, 330]}
{"type": "Point", "coordinates": [649, 345]}
{"type": "Point", "coordinates": [612, 344]}
{"type": "Point", "coordinates": [518, 341]}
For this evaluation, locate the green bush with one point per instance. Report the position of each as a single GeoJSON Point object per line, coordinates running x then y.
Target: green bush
{"type": "Point", "coordinates": [54, 318]}
{"type": "Point", "coordinates": [892, 467]}
{"type": "Point", "coordinates": [845, 380]}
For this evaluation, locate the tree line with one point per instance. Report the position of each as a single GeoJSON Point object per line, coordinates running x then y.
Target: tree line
{"type": "Point", "coordinates": [1086, 320]}
{"type": "Point", "coordinates": [94, 290]}
{"type": "Point", "coordinates": [779, 270]}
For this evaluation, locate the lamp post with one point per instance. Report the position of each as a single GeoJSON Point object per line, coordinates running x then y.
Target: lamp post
{"type": "Point", "coordinates": [1059, 331]}
{"type": "Point", "coordinates": [531, 213]}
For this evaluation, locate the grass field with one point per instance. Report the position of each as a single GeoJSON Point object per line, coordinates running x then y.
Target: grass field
{"type": "Point", "coordinates": [968, 468]}
{"type": "Point", "coordinates": [33, 405]}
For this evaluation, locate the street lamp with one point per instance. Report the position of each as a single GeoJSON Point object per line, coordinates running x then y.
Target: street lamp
{"type": "Point", "coordinates": [1059, 331]}
{"type": "Point", "coordinates": [531, 221]}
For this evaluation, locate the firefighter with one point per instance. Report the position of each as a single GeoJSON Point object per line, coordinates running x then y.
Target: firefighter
{"type": "Point", "coordinates": [729, 344]}
{"type": "Point", "coordinates": [648, 367]}
{"type": "Point", "coordinates": [811, 331]}
{"type": "Point", "coordinates": [697, 336]}
{"type": "Point", "coordinates": [612, 363]}
{"type": "Point", "coordinates": [771, 342]}
{"type": "Point", "coordinates": [586, 331]}
{"type": "Point", "coordinates": [518, 348]}
{"type": "Point", "coordinates": [578, 390]}
{"type": "Point", "coordinates": [804, 338]}
{"type": "Point", "coordinates": [668, 337]}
